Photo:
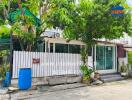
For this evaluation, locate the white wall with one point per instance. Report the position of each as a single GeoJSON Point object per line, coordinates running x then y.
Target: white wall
{"type": "Point", "coordinates": [123, 60]}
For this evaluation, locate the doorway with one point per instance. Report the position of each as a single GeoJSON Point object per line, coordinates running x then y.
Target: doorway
{"type": "Point", "coordinates": [105, 59]}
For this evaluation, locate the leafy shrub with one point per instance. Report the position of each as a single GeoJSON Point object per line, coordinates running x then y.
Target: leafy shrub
{"type": "Point", "coordinates": [86, 72]}
{"type": "Point", "coordinates": [130, 58]}
{"type": "Point", "coordinates": [123, 68]}
{"type": "Point", "coordinates": [3, 69]}
{"type": "Point", "coordinates": [3, 53]}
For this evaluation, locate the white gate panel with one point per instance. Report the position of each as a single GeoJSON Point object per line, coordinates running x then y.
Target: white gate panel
{"type": "Point", "coordinates": [49, 63]}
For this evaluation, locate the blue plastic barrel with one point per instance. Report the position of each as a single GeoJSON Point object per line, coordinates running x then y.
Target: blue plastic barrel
{"type": "Point", "coordinates": [25, 78]}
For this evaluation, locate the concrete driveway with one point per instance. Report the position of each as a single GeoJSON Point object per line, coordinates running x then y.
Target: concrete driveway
{"type": "Point", "coordinates": [121, 90]}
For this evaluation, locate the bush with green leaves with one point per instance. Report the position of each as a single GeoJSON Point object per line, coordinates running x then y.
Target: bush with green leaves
{"type": "Point", "coordinates": [3, 69]}
{"type": "Point", "coordinates": [86, 72]}
{"type": "Point", "coordinates": [130, 58]}
{"type": "Point", "coordinates": [3, 53]}
{"type": "Point", "coordinates": [123, 68]}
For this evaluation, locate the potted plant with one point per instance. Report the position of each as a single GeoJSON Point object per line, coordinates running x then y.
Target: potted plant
{"type": "Point", "coordinates": [4, 69]}
{"type": "Point", "coordinates": [2, 75]}
{"type": "Point", "coordinates": [86, 71]}
{"type": "Point", "coordinates": [86, 74]}
{"type": "Point", "coordinates": [123, 69]}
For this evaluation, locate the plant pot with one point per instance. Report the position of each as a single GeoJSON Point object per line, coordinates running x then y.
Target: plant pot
{"type": "Point", "coordinates": [123, 74]}
{"type": "Point", "coordinates": [86, 82]}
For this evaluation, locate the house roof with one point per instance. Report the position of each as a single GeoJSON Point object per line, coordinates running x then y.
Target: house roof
{"type": "Point", "coordinates": [77, 42]}
{"type": "Point", "coordinates": [111, 42]}
{"type": "Point", "coordinates": [128, 49]}
{"type": "Point", "coordinates": [63, 41]}
{"type": "Point", "coordinates": [126, 40]}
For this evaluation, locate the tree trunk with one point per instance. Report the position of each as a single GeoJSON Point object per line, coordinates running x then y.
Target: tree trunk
{"type": "Point", "coordinates": [21, 45]}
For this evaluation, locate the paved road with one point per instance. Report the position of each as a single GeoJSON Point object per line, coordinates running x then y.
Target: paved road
{"type": "Point", "coordinates": [121, 90]}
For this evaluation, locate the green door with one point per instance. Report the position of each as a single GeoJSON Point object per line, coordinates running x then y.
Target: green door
{"type": "Point", "coordinates": [104, 57]}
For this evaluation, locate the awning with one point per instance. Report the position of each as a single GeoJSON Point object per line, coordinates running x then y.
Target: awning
{"type": "Point", "coordinates": [128, 49]}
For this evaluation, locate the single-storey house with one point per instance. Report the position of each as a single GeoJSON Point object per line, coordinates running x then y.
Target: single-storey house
{"type": "Point", "coordinates": [106, 56]}
{"type": "Point", "coordinates": [55, 56]}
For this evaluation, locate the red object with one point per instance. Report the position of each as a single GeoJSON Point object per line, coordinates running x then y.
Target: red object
{"type": "Point", "coordinates": [36, 61]}
{"type": "Point", "coordinates": [117, 12]}
{"type": "Point", "coordinates": [120, 51]}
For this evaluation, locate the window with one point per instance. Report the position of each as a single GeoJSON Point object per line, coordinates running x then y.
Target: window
{"type": "Point", "coordinates": [74, 48]}
{"type": "Point", "coordinates": [51, 47]}
{"type": "Point", "coordinates": [61, 48]}
{"type": "Point", "coordinates": [67, 48]}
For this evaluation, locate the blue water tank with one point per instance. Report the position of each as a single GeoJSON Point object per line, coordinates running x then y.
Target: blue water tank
{"type": "Point", "coordinates": [25, 78]}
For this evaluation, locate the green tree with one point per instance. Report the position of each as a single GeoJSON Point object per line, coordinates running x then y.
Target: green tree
{"type": "Point", "coordinates": [23, 27]}
{"type": "Point", "coordinates": [44, 10]}
{"type": "Point", "coordinates": [86, 21]}
{"type": "Point", "coordinates": [91, 19]}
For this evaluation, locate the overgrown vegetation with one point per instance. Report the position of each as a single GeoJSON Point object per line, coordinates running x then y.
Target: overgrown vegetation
{"type": "Point", "coordinates": [3, 69]}
{"type": "Point", "coordinates": [4, 63]}
{"type": "Point", "coordinates": [87, 21]}
{"type": "Point", "coordinates": [123, 68]}
{"type": "Point", "coordinates": [130, 58]}
{"type": "Point", "coordinates": [86, 71]}
{"type": "Point", "coordinates": [4, 53]}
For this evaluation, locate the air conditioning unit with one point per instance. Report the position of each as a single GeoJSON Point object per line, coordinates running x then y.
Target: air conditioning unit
{"type": "Point", "coordinates": [57, 35]}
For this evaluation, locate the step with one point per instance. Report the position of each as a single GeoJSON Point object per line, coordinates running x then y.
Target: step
{"type": "Point", "coordinates": [111, 77]}
{"type": "Point", "coordinates": [67, 86]}
{"type": "Point", "coordinates": [60, 87]}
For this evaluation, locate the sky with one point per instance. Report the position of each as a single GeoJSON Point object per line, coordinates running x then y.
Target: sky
{"type": "Point", "coordinates": [129, 2]}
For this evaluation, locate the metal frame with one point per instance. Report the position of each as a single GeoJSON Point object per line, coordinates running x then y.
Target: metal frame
{"type": "Point", "coordinates": [114, 62]}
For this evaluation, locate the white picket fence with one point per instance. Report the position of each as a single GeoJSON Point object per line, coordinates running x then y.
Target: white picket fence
{"type": "Point", "coordinates": [49, 63]}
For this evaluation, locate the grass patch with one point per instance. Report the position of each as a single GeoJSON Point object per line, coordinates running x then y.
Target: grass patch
{"type": "Point", "coordinates": [130, 58]}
